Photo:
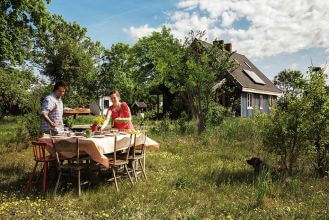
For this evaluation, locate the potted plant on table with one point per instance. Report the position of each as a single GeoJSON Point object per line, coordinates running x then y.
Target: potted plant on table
{"type": "Point", "coordinates": [97, 122]}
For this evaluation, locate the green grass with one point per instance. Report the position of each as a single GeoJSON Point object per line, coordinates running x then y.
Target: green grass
{"type": "Point", "coordinates": [7, 130]}
{"type": "Point", "coordinates": [188, 178]}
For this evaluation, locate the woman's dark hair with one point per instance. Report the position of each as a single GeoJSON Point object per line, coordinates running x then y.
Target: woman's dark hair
{"type": "Point", "coordinates": [115, 92]}
{"type": "Point", "coordinates": [59, 84]}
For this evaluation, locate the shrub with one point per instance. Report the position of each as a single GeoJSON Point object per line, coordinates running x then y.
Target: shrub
{"type": "Point", "coordinates": [32, 122]}
{"type": "Point", "coordinates": [22, 138]}
{"type": "Point", "coordinates": [68, 121]}
{"type": "Point", "coordinates": [285, 135]}
{"type": "Point", "coordinates": [216, 114]}
{"type": "Point", "coordinates": [182, 123]}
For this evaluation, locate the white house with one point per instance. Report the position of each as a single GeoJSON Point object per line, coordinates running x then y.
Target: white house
{"type": "Point", "coordinates": [101, 107]}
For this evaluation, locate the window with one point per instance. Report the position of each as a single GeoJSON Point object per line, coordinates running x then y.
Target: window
{"type": "Point", "coordinates": [249, 101]}
{"type": "Point", "coordinates": [261, 101]}
{"type": "Point", "coordinates": [254, 77]}
{"type": "Point", "coordinates": [106, 103]}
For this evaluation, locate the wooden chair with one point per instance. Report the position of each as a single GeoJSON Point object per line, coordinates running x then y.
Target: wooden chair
{"type": "Point", "coordinates": [39, 152]}
{"type": "Point", "coordinates": [116, 162]}
{"type": "Point", "coordinates": [137, 155]}
{"type": "Point", "coordinates": [73, 165]}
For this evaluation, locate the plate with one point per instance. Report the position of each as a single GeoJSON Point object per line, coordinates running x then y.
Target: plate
{"type": "Point", "coordinates": [98, 136]}
{"type": "Point", "coordinates": [110, 134]}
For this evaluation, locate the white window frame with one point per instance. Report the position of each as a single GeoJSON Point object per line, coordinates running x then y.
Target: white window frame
{"type": "Point", "coordinates": [250, 103]}
{"type": "Point", "coordinates": [261, 101]}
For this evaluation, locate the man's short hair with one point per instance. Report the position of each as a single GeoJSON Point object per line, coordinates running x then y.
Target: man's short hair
{"type": "Point", "coordinates": [59, 84]}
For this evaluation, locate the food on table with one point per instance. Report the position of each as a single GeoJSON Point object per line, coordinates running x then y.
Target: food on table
{"type": "Point", "coordinates": [133, 131]}
{"type": "Point", "coordinates": [122, 119]}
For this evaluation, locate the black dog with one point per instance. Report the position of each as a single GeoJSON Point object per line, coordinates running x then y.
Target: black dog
{"type": "Point", "coordinates": [260, 167]}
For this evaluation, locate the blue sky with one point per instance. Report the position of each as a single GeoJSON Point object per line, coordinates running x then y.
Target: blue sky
{"type": "Point", "coordinates": [273, 34]}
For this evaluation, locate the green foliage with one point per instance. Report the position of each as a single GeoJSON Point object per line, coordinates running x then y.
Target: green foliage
{"type": "Point", "coordinates": [291, 83]}
{"type": "Point", "coordinates": [98, 120]}
{"type": "Point", "coordinates": [150, 114]}
{"type": "Point", "coordinates": [300, 124]}
{"type": "Point", "coordinates": [216, 114]}
{"type": "Point", "coordinates": [285, 134]}
{"type": "Point", "coordinates": [182, 123]}
{"type": "Point", "coordinates": [22, 138]}
{"type": "Point", "coordinates": [84, 119]}
{"type": "Point", "coordinates": [117, 73]}
{"type": "Point", "coordinates": [67, 54]}
{"type": "Point", "coordinates": [194, 69]}
{"type": "Point", "coordinates": [182, 183]}
{"type": "Point", "coordinates": [14, 90]}
{"type": "Point", "coordinates": [316, 101]}
{"type": "Point", "coordinates": [262, 186]}
{"type": "Point", "coordinates": [31, 122]}
{"type": "Point", "coordinates": [20, 22]}
{"type": "Point", "coordinates": [68, 121]}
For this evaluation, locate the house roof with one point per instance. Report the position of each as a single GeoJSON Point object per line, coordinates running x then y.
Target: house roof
{"type": "Point", "coordinates": [246, 81]}
{"type": "Point", "coordinates": [139, 104]}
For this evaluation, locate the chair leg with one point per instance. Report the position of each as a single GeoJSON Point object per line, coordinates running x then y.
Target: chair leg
{"type": "Point", "coordinates": [57, 182]}
{"type": "Point", "coordinates": [131, 180]}
{"type": "Point", "coordinates": [142, 167]}
{"type": "Point", "coordinates": [79, 184]}
{"type": "Point", "coordinates": [115, 179]}
{"type": "Point", "coordinates": [44, 182]}
{"type": "Point", "coordinates": [31, 176]}
{"type": "Point", "coordinates": [134, 170]}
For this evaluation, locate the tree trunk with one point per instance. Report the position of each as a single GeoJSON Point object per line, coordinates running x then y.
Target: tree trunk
{"type": "Point", "coordinates": [320, 159]}
{"type": "Point", "coordinates": [200, 123]}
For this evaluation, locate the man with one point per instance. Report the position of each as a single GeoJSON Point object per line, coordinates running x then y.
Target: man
{"type": "Point", "coordinates": [52, 110]}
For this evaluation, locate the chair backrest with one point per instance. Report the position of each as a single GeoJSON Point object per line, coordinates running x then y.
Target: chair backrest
{"type": "Point", "coordinates": [125, 145]}
{"type": "Point", "coordinates": [138, 148]}
{"type": "Point", "coordinates": [39, 150]}
{"type": "Point", "coordinates": [66, 145]}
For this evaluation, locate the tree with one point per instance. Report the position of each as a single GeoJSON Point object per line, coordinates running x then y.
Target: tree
{"type": "Point", "coordinates": [20, 22]}
{"type": "Point", "coordinates": [15, 88]}
{"type": "Point", "coordinates": [291, 83]}
{"type": "Point", "coordinates": [301, 121]}
{"type": "Point", "coordinates": [66, 53]}
{"type": "Point", "coordinates": [145, 63]}
{"type": "Point", "coordinates": [285, 134]}
{"type": "Point", "coordinates": [194, 69]}
{"type": "Point", "coordinates": [316, 101]}
{"type": "Point", "coordinates": [116, 72]}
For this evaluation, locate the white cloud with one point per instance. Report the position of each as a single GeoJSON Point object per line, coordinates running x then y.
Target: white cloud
{"type": "Point", "coordinates": [138, 32]}
{"type": "Point", "coordinates": [276, 26]}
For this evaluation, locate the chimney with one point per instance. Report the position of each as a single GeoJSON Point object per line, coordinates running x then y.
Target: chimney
{"type": "Point", "coordinates": [228, 47]}
{"type": "Point", "coordinates": [218, 43]}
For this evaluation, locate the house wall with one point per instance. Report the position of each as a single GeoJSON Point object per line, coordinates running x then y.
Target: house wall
{"type": "Point", "coordinates": [245, 112]}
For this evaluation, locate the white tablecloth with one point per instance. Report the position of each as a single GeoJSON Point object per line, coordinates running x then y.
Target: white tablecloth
{"type": "Point", "coordinates": [98, 147]}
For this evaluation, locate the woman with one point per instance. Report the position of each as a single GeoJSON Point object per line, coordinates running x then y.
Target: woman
{"type": "Point", "coordinates": [118, 110]}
